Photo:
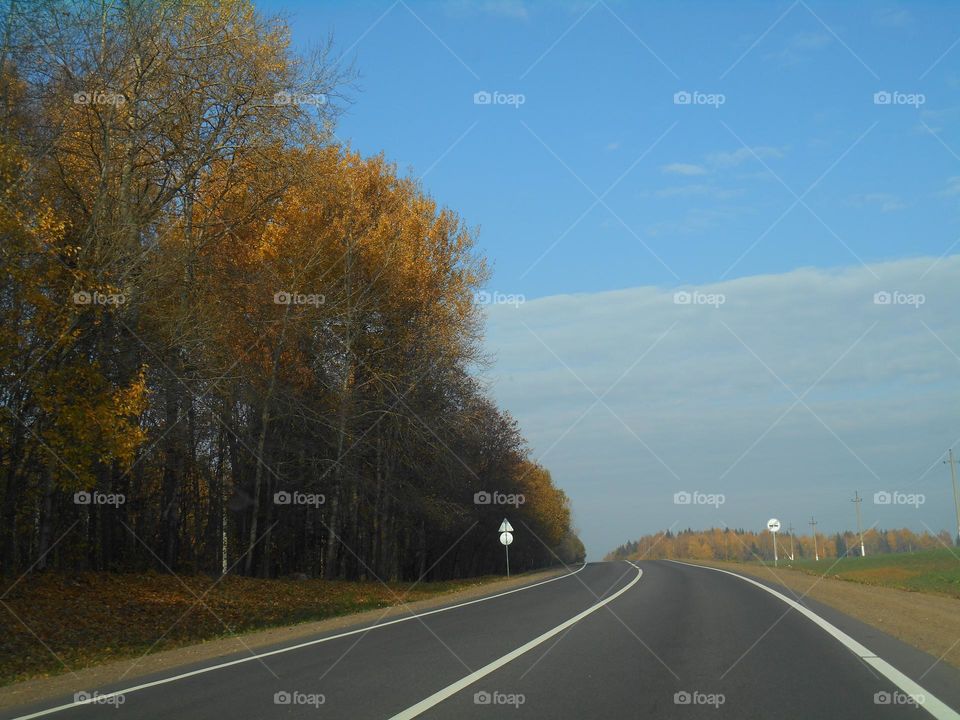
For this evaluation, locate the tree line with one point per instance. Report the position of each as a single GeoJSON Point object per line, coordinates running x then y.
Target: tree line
{"type": "Point", "coordinates": [744, 545]}
{"type": "Point", "coordinates": [229, 342]}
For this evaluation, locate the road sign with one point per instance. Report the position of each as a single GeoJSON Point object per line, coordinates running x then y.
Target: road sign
{"type": "Point", "coordinates": [773, 525]}
{"type": "Point", "coordinates": [506, 537]}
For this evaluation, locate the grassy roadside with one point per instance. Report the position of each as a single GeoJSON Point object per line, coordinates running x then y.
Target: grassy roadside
{"type": "Point", "coordinates": [55, 622]}
{"type": "Point", "coordinates": [935, 572]}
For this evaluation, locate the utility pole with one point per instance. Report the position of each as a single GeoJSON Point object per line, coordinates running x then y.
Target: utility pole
{"type": "Point", "coordinates": [956, 492]}
{"type": "Point", "coordinates": [813, 524]}
{"type": "Point", "coordinates": [857, 500]}
{"type": "Point", "coordinates": [790, 530]}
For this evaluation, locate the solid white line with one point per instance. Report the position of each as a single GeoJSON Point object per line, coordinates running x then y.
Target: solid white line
{"type": "Point", "coordinates": [441, 695]}
{"type": "Point", "coordinates": [931, 704]}
{"type": "Point", "coordinates": [126, 691]}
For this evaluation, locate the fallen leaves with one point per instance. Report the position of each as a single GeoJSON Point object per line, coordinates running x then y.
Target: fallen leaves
{"type": "Point", "coordinates": [57, 622]}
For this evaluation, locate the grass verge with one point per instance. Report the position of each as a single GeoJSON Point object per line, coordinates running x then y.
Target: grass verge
{"type": "Point", "coordinates": [935, 572]}
{"type": "Point", "coordinates": [56, 623]}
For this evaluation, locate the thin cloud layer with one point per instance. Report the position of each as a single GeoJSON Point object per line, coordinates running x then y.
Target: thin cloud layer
{"type": "Point", "coordinates": [684, 169]}
{"type": "Point", "coordinates": [785, 393]}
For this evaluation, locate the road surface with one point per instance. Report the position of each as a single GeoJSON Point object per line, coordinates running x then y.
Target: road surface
{"type": "Point", "coordinates": [654, 639]}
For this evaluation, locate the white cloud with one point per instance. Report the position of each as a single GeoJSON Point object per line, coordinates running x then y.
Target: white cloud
{"type": "Point", "coordinates": [684, 169]}
{"type": "Point", "coordinates": [893, 17]}
{"type": "Point", "coordinates": [511, 9]}
{"type": "Point", "coordinates": [800, 48]}
{"type": "Point", "coordinates": [809, 41]}
{"type": "Point", "coordinates": [885, 201]}
{"type": "Point", "coordinates": [695, 220]}
{"type": "Point", "coordinates": [701, 190]}
{"type": "Point", "coordinates": [936, 121]}
{"type": "Point", "coordinates": [699, 405]}
{"type": "Point", "coordinates": [953, 187]}
{"type": "Point", "coordinates": [742, 154]}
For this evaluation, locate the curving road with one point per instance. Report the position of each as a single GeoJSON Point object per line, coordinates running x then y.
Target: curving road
{"type": "Point", "coordinates": [654, 639]}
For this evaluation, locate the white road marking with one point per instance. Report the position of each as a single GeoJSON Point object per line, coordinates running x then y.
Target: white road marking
{"type": "Point", "coordinates": [126, 691]}
{"type": "Point", "coordinates": [931, 704]}
{"type": "Point", "coordinates": [441, 695]}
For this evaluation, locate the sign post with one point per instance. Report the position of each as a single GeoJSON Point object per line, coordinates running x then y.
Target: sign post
{"type": "Point", "coordinates": [506, 537]}
{"type": "Point", "coordinates": [773, 525]}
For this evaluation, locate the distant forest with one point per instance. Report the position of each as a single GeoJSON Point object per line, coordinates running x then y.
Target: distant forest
{"type": "Point", "coordinates": [743, 545]}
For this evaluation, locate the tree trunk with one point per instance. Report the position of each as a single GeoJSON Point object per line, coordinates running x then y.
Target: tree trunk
{"type": "Point", "coordinates": [262, 443]}
{"type": "Point", "coordinates": [46, 518]}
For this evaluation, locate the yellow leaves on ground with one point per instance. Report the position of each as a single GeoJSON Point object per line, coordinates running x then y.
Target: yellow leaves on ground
{"type": "Point", "coordinates": [88, 618]}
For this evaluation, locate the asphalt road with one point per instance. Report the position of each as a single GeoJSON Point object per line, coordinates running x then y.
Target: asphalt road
{"type": "Point", "coordinates": [612, 640]}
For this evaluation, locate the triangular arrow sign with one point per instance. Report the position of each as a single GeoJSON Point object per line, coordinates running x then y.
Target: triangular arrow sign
{"type": "Point", "coordinates": [505, 526]}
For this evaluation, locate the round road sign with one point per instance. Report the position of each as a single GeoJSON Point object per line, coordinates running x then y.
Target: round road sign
{"type": "Point", "coordinates": [773, 525]}
{"type": "Point", "coordinates": [506, 538]}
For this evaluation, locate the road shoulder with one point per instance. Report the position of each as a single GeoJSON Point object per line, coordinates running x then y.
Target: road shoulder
{"type": "Point", "coordinates": [918, 634]}
{"type": "Point", "coordinates": [928, 622]}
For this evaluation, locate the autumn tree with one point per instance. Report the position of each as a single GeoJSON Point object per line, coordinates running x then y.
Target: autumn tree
{"type": "Point", "coordinates": [210, 307]}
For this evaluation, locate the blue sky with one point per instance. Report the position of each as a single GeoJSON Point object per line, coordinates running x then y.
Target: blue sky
{"type": "Point", "coordinates": [598, 81]}
{"type": "Point", "coordinates": [790, 190]}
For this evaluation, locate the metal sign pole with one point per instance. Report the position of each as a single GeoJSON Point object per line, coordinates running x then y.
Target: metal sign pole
{"type": "Point", "coordinates": [773, 525]}
{"type": "Point", "coordinates": [506, 537]}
